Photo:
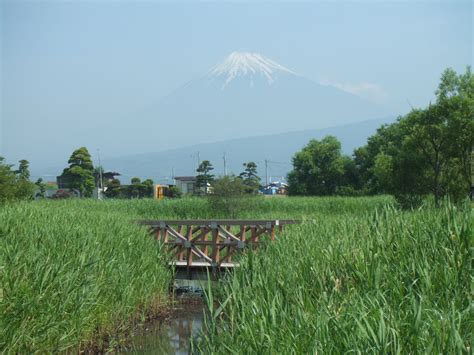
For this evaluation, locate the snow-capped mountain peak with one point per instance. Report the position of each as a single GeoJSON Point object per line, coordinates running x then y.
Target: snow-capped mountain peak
{"type": "Point", "coordinates": [246, 63]}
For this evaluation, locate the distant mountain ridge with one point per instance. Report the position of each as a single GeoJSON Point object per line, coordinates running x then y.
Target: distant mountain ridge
{"type": "Point", "coordinates": [277, 149]}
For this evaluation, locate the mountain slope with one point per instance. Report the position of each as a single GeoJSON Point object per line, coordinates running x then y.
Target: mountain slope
{"type": "Point", "coordinates": [246, 95]}
{"type": "Point", "coordinates": [278, 149]}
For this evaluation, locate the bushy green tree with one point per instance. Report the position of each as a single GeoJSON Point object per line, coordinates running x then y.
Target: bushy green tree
{"type": "Point", "coordinates": [79, 174]}
{"type": "Point", "coordinates": [428, 151]}
{"type": "Point", "coordinates": [147, 190]}
{"type": "Point", "coordinates": [228, 196]}
{"type": "Point", "coordinates": [41, 186]}
{"type": "Point", "coordinates": [318, 169]}
{"type": "Point", "coordinates": [23, 171]}
{"type": "Point", "coordinates": [175, 192]}
{"type": "Point", "coordinates": [250, 178]}
{"type": "Point", "coordinates": [135, 188]}
{"type": "Point", "coordinates": [8, 186]}
{"type": "Point", "coordinates": [204, 177]}
{"type": "Point", "coordinates": [15, 184]}
{"type": "Point", "coordinates": [113, 188]}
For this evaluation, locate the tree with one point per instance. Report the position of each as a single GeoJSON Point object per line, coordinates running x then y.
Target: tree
{"type": "Point", "coordinates": [318, 169]}
{"type": "Point", "coordinates": [351, 181]}
{"type": "Point", "coordinates": [147, 190]}
{"type": "Point", "coordinates": [250, 178]}
{"type": "Point", "coordinates": [23, 171]}
{"type": "Point", "coordinates": [8, 187]}
{"type": "Point", "coordinates": [79, 174]}
{"type": "Point", "coordinates": [455, 99]}
{"type": "Point", "coordinates": [41, 187]}
{"type": "Point", "coordinates": [428, 151]}
{"type": "Point", "coordinates": [427, 134]}
{"type": "Point", "coordinates": [113, 188]}
{"type": "Point", "coordinates": [228, 196]}
{"type": "Point", "coordinates": [204, 178]}
{"type": "Point", "coordinates": [135, 188]}
{"type": "Point", "coordinates": [175, 192]}
{"type": "Point", "coordinates": [14, 184]}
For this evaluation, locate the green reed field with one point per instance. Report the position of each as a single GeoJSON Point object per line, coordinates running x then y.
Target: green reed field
{"type": "Point", "coordinates": [360, 280]}
{"type": "Point", "coordinates": [356, 275]}
{"type": "Point", "coordinates": [73, 273]}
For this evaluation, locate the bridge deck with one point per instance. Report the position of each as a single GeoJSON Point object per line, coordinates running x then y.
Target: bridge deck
{"type": "Point", "coordinates": [202, 264]}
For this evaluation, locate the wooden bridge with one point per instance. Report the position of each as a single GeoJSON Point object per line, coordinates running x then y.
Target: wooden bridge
{"type": "Point", "coordinates": [200, 244]}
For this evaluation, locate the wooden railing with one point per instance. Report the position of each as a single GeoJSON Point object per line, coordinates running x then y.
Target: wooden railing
{"type": "Point", "coordinates": [212, 243]}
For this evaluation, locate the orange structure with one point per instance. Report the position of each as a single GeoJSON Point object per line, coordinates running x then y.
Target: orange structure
{"type": "Point", "coordinates": [161, 191]}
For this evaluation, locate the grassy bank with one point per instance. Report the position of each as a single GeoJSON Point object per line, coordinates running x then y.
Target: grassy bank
{"type": "Point", "coordinates": [355, 280]}
{"type": "Point", "coordinates": [72, 273]}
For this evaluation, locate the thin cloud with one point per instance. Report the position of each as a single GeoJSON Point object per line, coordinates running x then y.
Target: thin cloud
{"type": "Point", "coordinates": [369, 91]}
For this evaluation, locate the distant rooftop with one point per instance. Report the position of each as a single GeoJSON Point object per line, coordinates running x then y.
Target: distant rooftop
{"type": "Point", "coordinates": [185, 178]}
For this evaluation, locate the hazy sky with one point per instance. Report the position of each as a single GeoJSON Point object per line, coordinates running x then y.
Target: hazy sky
{"type": "Point", "coordinates": [68, 65]}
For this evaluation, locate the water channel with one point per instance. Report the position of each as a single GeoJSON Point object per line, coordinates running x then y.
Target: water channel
{"type": "Point", "coordinates": [173, 335]}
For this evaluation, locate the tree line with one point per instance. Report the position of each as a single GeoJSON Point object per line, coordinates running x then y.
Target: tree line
{"type": "Point", "coordinates": [429, 151]}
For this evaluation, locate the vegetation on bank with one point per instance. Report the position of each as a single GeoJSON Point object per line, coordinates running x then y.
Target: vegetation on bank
{"type": "Point", "coordinates": [357, 279]}
{"type": "Point", "coordinates": [73, 273]}
{"type": "Point", "coordinates": [426, 152]}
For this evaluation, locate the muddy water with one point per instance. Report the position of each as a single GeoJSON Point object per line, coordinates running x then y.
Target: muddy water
{"type": "Point", "coordinates": [173, 335]}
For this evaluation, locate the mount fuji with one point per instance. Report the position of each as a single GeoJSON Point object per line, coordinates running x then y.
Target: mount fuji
{"type": "Point", "coordinates": [245, 95]}
{"type": "Point", "coordinates": [249, 106]}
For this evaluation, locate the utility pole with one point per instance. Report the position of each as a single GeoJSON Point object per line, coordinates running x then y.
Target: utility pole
{"type": "Point", "coordinates": [266, 172]}
{"type": "Point", "coordinates": [225, 165]}
{"type": "Point", "coordinates": [101, 187]}
{"type": "Point", "coordinates": [199, 159]}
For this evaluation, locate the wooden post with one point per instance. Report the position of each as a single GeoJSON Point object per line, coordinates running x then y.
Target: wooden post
{"type": "Point", "coordinates": [215, 246]}
{"type": "Point", "coordinates": [205, 230]}
{"type": "Point", "coordinates": [229, 248]}
{"type": "Point", "coordinates": [189, 259]}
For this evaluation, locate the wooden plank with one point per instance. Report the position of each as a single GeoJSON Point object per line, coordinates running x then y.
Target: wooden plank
{"type": "Point", "coordinates": [228, 222]}
{"type": "Point", "coordinates": [189, 258]}
{"type": "Point", "coordinates": [227, 234]}
{"type": "Point", "coordinates": [164, 235]}
{"type": "Point", "coordinates": [215, 247]}
{"type": "Point", "coordinates": [201, 264]}
{"type": "Point", "coordinates": [200, 254]}
{"type": "Point", "coordinates": [204, 239]}
{"type": "Point", "coordinates": [272, 232]}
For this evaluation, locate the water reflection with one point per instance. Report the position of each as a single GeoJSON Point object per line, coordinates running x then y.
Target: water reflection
{"type": "Point", "coordinates": [171, 336]}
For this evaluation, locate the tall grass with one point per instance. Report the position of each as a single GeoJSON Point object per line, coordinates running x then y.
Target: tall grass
{"type": "Point", "coordinates": [357, 275]}
{"type": "Point", "coordinates": [383, 281]}
{"type": "Point", "coordinates": [72, 272]}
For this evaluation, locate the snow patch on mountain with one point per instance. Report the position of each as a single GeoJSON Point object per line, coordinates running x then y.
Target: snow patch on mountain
{"type": "Point", "coordinates": [245, 63]}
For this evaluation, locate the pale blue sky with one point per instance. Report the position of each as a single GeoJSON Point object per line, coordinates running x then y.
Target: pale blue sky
{"type": "Point", "coordinates": [66, 64]}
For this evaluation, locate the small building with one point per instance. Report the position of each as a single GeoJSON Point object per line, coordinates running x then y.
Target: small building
{"type": "Point", "coordinates": [186, 184]}
{"type": "Point", "coordinates": [275, 188]}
